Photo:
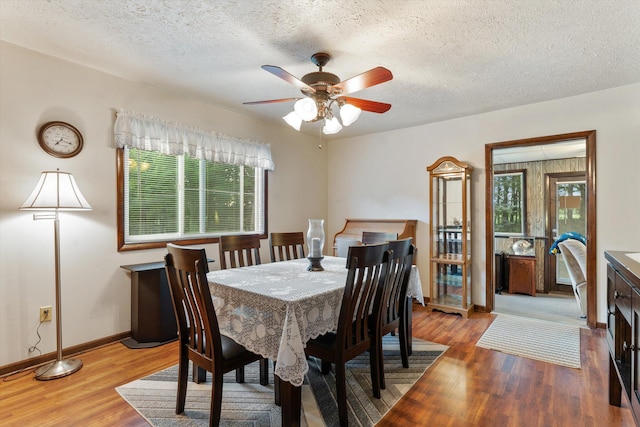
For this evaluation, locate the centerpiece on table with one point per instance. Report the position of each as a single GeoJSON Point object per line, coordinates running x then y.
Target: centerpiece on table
{"type": "Point", "coordinates": [315, 241]}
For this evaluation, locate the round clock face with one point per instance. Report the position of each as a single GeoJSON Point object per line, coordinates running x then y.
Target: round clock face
{"type": "Point", "coordinates": [60, 139]}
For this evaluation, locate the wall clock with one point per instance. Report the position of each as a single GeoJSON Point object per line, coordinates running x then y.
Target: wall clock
{"type": "Point", "coordinates": [60, 139]}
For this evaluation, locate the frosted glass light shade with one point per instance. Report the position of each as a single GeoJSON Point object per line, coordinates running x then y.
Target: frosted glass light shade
{"type": "Point", "coordinates": [349, 114]}
{"type": "Point", "coordinates": [331, 126]}
{"type": "Point", "coordinates": [293, 120]}
{"type": "Point", "coordinates": [56, 191]}
{"type": "Point", "coordinates": [306, 109]}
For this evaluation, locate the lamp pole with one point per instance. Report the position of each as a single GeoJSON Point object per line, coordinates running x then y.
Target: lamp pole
{"type": "Point", "coordinates": [60, 367]}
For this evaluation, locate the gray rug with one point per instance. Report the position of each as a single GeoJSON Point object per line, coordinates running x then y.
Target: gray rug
{"type": "Point", "coordinates": [251, 404]}
{"type": "Point", "coordinates": [552, 342]}
{"type": "Point", "coordinates": [555, 307]}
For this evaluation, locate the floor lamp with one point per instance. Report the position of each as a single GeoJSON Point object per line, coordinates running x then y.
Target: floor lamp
{"type": "Point", "coordinates": [56, 191]}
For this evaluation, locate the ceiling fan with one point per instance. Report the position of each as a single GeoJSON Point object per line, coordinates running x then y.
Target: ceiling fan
{"type": "Point", "coordinates": [324, 90]}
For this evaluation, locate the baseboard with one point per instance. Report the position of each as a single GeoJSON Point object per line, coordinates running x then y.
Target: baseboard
{"type": "Point", "coordinates": [76, 349]}
{"type": "Point", "coordinates": [476, 308]}
{"type": "Point", "coordinates": [479, 308]}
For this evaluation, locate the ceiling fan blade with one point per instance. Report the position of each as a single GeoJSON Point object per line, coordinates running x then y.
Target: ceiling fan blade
{"type": "Point", "coordinates": [367, 79]}
{"type": "Point", "coordinates": [366, 105]}
{"type": "Point", "coordinates": [271, 101]}
{"type": "Point", "coordinates": [286, 76]}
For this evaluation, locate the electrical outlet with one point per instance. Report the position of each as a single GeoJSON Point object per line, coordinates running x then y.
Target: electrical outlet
{"type": "Point", "coordinates": [45, 314]}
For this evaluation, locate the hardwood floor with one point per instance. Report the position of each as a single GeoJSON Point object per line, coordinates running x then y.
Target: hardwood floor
{"type": "Point", "coordinates": [467, 386]}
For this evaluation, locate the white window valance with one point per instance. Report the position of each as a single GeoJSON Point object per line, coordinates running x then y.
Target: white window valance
{"type": "Point", "coordinates": [135, 130]}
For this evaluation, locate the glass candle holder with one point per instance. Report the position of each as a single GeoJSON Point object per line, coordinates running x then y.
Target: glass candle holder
{"type": "Point", "coordinates": [315, 242]}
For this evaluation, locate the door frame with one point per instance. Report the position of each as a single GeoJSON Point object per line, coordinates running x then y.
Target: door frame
{"type": "Point", "coordinates": [590, 178]}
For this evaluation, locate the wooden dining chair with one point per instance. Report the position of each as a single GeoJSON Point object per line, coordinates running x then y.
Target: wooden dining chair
{"type": "Point", "coordinates": [199, 336]}
{"type": "Point", "coordinates": [373, 237]}
{"type": "Point", "coordinates": [393, 303]}
{"type": "Point", "coordinates": [286, 246]}
{"type": "Point", "coordinates": [239, 250]}
{"type": "Point", "coordinates": [367, 266]}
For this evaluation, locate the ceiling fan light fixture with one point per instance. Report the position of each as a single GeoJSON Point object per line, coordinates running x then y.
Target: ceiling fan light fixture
{"type": "Point", "coordinates": [306, 109]}
{"type": "Point", "coordinates": [322, 90]}
{"type": "Point", "coordinates": [331, 126]}
{"type": "Point", "coordinates": [349, 114]}
{"type": "Point", "coordinates": [293, 120]}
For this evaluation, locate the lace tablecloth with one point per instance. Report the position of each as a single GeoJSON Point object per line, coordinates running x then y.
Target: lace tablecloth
{"type": "Point", "coordinates": [274, 309]}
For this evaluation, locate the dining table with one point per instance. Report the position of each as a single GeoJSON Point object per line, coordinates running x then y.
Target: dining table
{"type": "Point", "coordinates": [273, 309]}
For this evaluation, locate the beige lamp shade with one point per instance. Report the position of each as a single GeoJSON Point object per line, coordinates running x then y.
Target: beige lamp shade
{"type": "Point", "coordinates": [56, 191]}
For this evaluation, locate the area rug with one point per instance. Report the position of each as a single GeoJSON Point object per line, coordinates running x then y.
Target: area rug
{"type": "Point", "coordinates": [251, 404]}
{"type": "Point", "coordinates": [542, 340]}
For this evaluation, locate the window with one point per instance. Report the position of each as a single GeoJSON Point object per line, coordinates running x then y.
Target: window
{"type": "Point", "coordinates": [169, 198]}
{"type": "Point", "coordinates": [179, 183]}
{"type": "Point", "coordinates": [509, 207]}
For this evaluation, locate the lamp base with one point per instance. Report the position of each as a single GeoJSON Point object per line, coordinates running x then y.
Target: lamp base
{"type": "Point", "coordinates": [314, 264]}
{"type": "Point", "coordinates": [58, 369]}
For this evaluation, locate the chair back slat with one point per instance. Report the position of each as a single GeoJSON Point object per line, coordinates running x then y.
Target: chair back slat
{"type": "Point", "coordinates": [394, 290]}
{"type": "Point", "coordinates": [239, 250]}
{"type": "Point", "coordinates": [286, 246]}
{"type": "Point", "coordinates": [367, 267]}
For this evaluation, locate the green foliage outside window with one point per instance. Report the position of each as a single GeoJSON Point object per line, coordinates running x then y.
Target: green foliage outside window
{"type": "Point", "coordinates": [175, 197]}
{"type": "Point", "coordinates": [509, 203]}
{"type": "Point", "coordinates": [153, 193]}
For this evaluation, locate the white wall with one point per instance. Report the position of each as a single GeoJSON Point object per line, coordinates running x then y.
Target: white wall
{"type": "Point", "coordinates": [95, 291]}
{"type": "Point", "coordinates": [384, 175]}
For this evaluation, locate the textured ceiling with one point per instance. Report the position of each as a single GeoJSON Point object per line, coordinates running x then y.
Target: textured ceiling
{"type": "Point", "coordinates": [534, 153]}
{"type": "Point", "coordinates": [449, 58]}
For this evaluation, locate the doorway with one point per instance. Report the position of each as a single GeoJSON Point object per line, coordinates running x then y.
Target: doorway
{"type": "Point", "coordinates": [491, 151]}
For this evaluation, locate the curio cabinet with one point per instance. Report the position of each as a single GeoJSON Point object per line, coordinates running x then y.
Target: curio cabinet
{"type": "Point", "coordinates": [450, 236]}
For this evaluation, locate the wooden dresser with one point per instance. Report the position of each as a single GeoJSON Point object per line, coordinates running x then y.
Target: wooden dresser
{"type": "Point", "coordinates": [353, 229]}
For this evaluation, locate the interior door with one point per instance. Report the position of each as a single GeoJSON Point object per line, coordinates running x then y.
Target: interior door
{"type": "Point", "coordinates": [566, 205]}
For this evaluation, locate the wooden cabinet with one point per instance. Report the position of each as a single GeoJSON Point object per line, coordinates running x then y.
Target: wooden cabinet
{"type": "Point", "coordinates": [611, 305]}
{"type": "Point", "coordinates": [623, 329]}
{"type": "Point", "coordinates": [522, 274]}
{"type": "Point", "coordinates": [450, 236]}
{"type": "Point", "coordinates": [153, 322]}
